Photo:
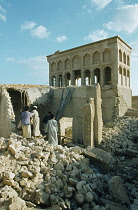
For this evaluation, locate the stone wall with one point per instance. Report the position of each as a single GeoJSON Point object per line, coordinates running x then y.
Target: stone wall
{"type": "Point", "coordinates": [115, 102]}
{"type": "Point", "coordinates": [75, 108]}
{"type": "Point", "coordinates": [135, 102]}
{"type": "Point", "coordinates": [7, 117]}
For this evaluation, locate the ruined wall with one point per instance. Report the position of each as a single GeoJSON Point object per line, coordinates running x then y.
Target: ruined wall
{"type": "Point", "coordinates": [115, 102]}
{"type": "Point", "coordinates": [135, 102]}
{"type": "Point", "coordinates": [7, 117]}
{"type": "Point", "coordinates": [65, 122]}
{"type": "Point", "coordinates": [75, 107]}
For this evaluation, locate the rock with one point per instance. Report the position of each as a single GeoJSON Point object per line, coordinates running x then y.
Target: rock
{"type": "Point", "coordinates": [117, 190]}
{"type": "Point", "coordinates": [27, 174]}
{"type": "Point", "coordinates": [117, 206]}
{"type": "Point", "coordinates": [79, 198]}
{"type": "Point", "coordinates": [89, 197]}
{"type": "Point", "coordinates": [41, 197]}
{"type": "Point", "coordinates": [17, 204]}
{"type": "Point", "coordinates": [98, 156]}
{"type": "Point", "coordinates": [59, 166]}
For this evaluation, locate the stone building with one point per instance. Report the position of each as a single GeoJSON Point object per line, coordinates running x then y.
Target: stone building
{"type": "Point", "coordinates": [106, 62]}
{"type": "Point", "coordinates": [102, 72]}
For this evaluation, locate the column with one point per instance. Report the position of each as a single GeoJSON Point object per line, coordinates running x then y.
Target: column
{"type": "Point", "coordinates": [82, 77]}
{"type": "Point", "coordinates": [73, 78]}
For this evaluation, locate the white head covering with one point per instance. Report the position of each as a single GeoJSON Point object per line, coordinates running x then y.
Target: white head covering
{"type": "Point", "coordinates": [35, 107]}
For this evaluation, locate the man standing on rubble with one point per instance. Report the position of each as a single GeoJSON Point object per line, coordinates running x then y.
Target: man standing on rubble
{"type": "Point", "coordinates": [26, 124]}
{"type": "Point", "coordinates": [52, 129]}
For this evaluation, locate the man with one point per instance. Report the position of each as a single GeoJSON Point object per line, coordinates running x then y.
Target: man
{"type": "Point", "coordinates": [45, 120]}
{"type": "Point", "coordinates": [51, 129]}
{"type": "Point", "coordinates": [36, 122]}
{"type": "Point", "coordinates": [26, 124]}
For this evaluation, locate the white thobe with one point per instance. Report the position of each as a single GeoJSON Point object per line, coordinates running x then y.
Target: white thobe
{"type": "Point", "coordinates": [51, 129]}
{"type": "Point", "coordinates": [36, 123]}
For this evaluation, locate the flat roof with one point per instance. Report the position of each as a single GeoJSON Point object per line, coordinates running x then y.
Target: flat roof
{"type": "Point", "coordinates": [60, 52]}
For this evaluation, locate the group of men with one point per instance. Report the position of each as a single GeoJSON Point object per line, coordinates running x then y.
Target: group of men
{"type": "Point", "coordinates": [50, 125]}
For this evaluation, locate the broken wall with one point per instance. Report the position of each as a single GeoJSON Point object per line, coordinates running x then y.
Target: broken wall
{"type": "Point", "coordinates": [135, 102]}
{"type": "Point", "coordinates": [7, 117]}
{"type": "Point", "coordinates": [75, 107]}
{"type": "Point", "coordinates": [115, 102]}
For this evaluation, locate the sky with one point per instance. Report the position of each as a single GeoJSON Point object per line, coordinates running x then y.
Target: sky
{"type": "Point", "coordinates": [32, 29]}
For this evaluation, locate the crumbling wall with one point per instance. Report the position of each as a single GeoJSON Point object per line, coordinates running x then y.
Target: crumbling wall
{"type": "Point", "coordinates": [75, 107]}
{"type": "Point", "coordinates": [115, 102]}
{"type": "Point", "coordinates": [7, 117]}
{"type": "Point", "coordinates": [65, 122]}
{"type": "Point", "coordinates": [135, 102]}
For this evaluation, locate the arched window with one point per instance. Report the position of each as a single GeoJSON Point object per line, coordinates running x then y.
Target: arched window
{"type": "Point", "coordinates": [67, 63]}
{"type": "Point", "coordinates": [60, 65]}
{"type": "Point", "coordinates": [67, 79]}
{"type": "Point", "coordinates": [53, 81]}
{"type": "Point", "coordinates": [120, 76]}
{"type": "Point", "coordinates": [60, 81]}
{"type": "Point", "coordinates": [107, 55]}
{"type": "Point", "coordinates": [76, 61]}
{"type": "Point", "coordinates": [128, 60]}
{"type": "Point", "coordinates": [87, 77]}
{"type": "Point", "coordinates": [124, 57]}
{"type": "Point", "coordinates": [128, 78]}
{"type": "Point", "coordinates": [97, 75]}
{"type": "Point", "coordinates": [96, 57]}
{"type": "Point", "coordinates": [124, 77]}
{"type": "Point", "coordinates": [120, 55]}
{"type": "Point", "coordinates": [107, 75]}
{"type": "Point", "coordinates": [53, 66]}
{"type": "Point", "coordinates": [86, 60]}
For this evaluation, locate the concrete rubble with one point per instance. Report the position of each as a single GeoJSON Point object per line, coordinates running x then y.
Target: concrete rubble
{"type": "Point", "coordinates": [36, 175]}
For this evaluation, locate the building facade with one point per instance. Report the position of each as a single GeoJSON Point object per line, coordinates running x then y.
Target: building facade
{"type": "Point", "coordinates": [106, 62]}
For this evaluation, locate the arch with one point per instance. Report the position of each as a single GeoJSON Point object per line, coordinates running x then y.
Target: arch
{"type": "Point", "coordinates": [120, 55]}
{"type": "Point", "coordinates": [96, 57]}
{"type": "Point", "coordinates": [60, 65]}
{"type": "Point", "coordinates": [67, 79]}
{"type": "Point", "coordinates": [87, 77]}
{"type": "Point", "coordinates": [120, 76]}
{"type": "Point", "coordinates": [107, 55]}
{"type": "Point", "coordinates": [53, 81]}
{"type": "Point", "coordinates": [60, 81]}
{"type": "Point", "coordinates": [67, 63]}
{"type": "Point", "coordinates": [107, 75]}
{"type": "Point", "coordinates": [124, 77]}
{"type": "Point", "coordinates": [124, 58]}
{"type": "Point", "coordinates": [128, 60]}
{"type": "Point", "coordinates": [97, 75]}
{"type": "Point", "coordinates": [128, 78]}
{"type": "Point", "coordinates": [76, 61]}
{"type": "Point", "coordinates": [86, 59]}
{"type": "Point", "coordinates": [53, 66]}
{"type": "Point", "coordinates": [77, 77]}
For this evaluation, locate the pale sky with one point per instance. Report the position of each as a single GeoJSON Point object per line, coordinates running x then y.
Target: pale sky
{"type": "Point", "coordinates": [32, 29]}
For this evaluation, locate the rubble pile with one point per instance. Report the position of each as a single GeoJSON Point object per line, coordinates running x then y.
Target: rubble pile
{"type": "Point", "coordinates": [118, 135]}
{"type": "Point", "coordinates": [37, 175]}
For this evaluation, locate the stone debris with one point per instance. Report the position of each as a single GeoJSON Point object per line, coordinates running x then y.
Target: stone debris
{"type": "Point", "coordinates": [37, 175]}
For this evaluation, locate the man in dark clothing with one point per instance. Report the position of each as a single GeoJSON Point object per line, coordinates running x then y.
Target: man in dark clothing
{"type": "Point", "coordinates": [45, 120]}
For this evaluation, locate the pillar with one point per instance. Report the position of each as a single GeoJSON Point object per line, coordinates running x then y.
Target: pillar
{"type": "Point", "coordinates": [88, 123]}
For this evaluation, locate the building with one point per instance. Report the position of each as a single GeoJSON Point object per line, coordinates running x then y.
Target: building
{"type": "Point", "coordinates": [106, 62]}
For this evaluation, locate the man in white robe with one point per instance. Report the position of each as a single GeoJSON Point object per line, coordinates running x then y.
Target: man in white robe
{"type": "Point", "coordinates": [36, 122]}
{"type": "Point", "coordinates": [52, 129]}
